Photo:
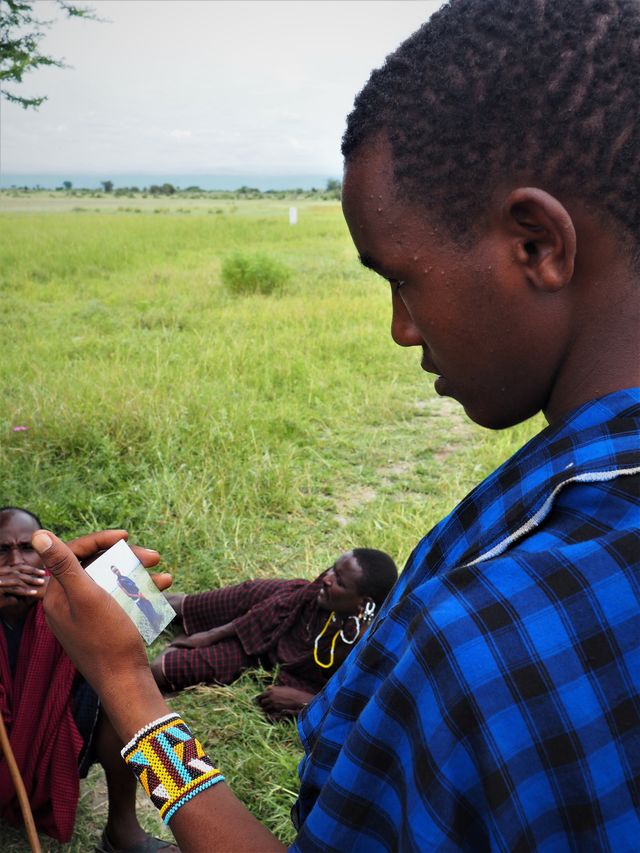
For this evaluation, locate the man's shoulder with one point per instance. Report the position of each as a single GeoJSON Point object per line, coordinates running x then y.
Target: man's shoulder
{"type": "Point", "coordinates": [587, 522]}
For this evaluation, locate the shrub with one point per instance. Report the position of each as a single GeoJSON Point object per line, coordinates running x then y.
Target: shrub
{"type": "Point", "coordinates": [242, 273]}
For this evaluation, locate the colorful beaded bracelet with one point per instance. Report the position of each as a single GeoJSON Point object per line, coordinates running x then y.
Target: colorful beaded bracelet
{"type": "Point", "coordinates": [170, 764]}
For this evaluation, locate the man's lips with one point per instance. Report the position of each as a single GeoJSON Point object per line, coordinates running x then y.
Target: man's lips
{"type": "Point", "coordinates": [427, 365]}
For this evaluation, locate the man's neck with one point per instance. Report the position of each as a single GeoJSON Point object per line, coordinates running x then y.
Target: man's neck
{"type": "Point", "coordinates": [14, 614]}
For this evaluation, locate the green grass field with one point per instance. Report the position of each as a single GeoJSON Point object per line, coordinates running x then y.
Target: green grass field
{"type": "Point", "coordinates": [241, 436]}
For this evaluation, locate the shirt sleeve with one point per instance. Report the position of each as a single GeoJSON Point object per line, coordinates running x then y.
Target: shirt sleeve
{"type": "Point", "coordinates": [260, 627]}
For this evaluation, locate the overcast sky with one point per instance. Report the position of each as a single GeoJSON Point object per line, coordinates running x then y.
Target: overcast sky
{"type": "Point", "coordinates": [202, 85]}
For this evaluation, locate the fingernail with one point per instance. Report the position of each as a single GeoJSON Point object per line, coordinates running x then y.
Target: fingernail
{"type": "Point", "coordinates": [41, 572]}
{"type": "Point", "coordinates": [150, 550]}
{"type": "Point", "coordinates": [41, 542]}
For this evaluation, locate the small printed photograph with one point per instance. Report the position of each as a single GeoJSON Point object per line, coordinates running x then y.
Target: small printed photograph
{"type": "Point", "coordinates": [123, 576]}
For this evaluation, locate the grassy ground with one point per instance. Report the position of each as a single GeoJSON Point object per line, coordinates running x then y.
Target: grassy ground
{"type": "Point", "coordinates": [240, 436]}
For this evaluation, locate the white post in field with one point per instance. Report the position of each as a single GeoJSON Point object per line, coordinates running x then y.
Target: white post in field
{"type": "Point", "coordinates": [293, 216]}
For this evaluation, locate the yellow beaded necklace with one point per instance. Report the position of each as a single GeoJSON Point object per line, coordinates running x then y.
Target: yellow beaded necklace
{"type": "Point", "coordinates": [332, 618]}
{"type": "Point", "coordinates": [338, 633]}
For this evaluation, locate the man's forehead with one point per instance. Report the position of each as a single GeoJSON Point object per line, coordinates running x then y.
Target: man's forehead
{"type": "Point", "coordinates": [368, 174]}
{"type": "Point", "coordinates": [379, 218]}
{"type": "Point", "coordinates": [344, 556]}
{"type": "Point", "coordinates": [348, 562]}
{"type": "Point", "coordinates": [17, 519]}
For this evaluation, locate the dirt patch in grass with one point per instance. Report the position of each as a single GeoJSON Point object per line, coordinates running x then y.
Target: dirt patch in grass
{"type": "Point", "coordinates": [352, 502]}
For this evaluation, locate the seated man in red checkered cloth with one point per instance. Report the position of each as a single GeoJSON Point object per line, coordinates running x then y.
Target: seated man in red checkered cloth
{"type": "Point", "coordinates": [306, 628]}
{"type": "Point", "coordinates": [53, 718]}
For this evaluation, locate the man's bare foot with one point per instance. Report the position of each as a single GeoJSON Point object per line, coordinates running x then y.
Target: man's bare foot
{"type": "Point", "coordinates": [145, 844]}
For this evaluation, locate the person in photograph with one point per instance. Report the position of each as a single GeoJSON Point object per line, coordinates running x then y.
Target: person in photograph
{"type": "Point", "coordinates": [132, 591]}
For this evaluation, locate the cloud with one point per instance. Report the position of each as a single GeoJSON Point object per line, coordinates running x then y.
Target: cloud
{"type": "Point", "coordinates": [180, 134]}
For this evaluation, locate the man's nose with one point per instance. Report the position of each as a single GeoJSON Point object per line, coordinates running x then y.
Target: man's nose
{"type": "Point", "coordinates": [15, 555]}
{"type": "Point", "coordinates": [403, 329]}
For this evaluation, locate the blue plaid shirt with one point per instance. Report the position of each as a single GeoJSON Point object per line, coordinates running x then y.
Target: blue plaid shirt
{"type": "Point", "coordinates": [494, 704]}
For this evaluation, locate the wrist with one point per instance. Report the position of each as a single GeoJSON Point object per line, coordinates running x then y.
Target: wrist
{"type": "Point", "coordinates": [170, 763]}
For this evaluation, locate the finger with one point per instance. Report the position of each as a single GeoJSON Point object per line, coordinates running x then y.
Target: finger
{"type": "Point", "coordinates": [31, 571]}
{"type": "Point", "coordinates": [30, 580]}
{"type": "Point", "coordinates": [162, 581]}
{"type": "Point", "coordinates": [16, 589]}
{"type": "Point", "coordinates": [92, 543]}
{"type": "Point", "coordinates": [16, 580]}
{"type": "Point", "coordinates": [147, 556]}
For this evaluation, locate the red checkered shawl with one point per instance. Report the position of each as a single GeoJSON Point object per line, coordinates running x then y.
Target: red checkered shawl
{"type": "Point", "coordinates": [276, 622]}
{"type": "Point", "coordinates": [37, 712]}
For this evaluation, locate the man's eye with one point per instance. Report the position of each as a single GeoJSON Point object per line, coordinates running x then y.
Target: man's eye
{"type": "Point", "coordinates": [24, 547]}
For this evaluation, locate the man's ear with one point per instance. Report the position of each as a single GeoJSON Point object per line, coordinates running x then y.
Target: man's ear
{"type": "Point", "coordinates": [545, 239]}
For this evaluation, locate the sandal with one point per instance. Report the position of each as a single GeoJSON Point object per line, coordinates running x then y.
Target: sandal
{"type": "Point", "coordinates": [149, 845]}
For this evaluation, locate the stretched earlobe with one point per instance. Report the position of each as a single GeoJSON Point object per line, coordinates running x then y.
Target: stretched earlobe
{"type": "Point", "coordinates": [545, 237]}
{"type": "Point", "coordinates": [369, 610]}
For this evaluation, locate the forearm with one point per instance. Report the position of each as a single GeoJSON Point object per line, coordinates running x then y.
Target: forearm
{"type": "Point", "coordinates": [130, 706]}
{"type": "Point", "coordinates": [214, 819]}
{"type": "Point", "coordinates": [214, 635]}
{"type": "Point", "coordinates": [222, 632]}
{"type": "Point", "coordinates": [106, 648]}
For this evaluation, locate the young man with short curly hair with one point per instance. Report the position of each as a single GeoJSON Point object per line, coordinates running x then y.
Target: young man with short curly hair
{"type": "Point", "coordinates": [492, 170]}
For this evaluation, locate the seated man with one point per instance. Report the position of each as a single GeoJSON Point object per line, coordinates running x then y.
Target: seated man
{"type": "Point", "coordinates": [306, 628]}
{"type": "Point", "coordinates": [52, 716]}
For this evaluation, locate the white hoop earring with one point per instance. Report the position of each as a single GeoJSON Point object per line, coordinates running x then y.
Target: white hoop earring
{"type": "Point", "coordinates": [355, 636]}
{"type": "Point", "coordinates": [369, 611]}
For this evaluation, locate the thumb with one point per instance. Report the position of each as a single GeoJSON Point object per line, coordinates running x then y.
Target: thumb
{"type": "Point", "coordinates": [57, 557]}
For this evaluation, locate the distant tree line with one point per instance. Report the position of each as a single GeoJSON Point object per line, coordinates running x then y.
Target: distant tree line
{"type": "Point", "coordinates": [333, 189]}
